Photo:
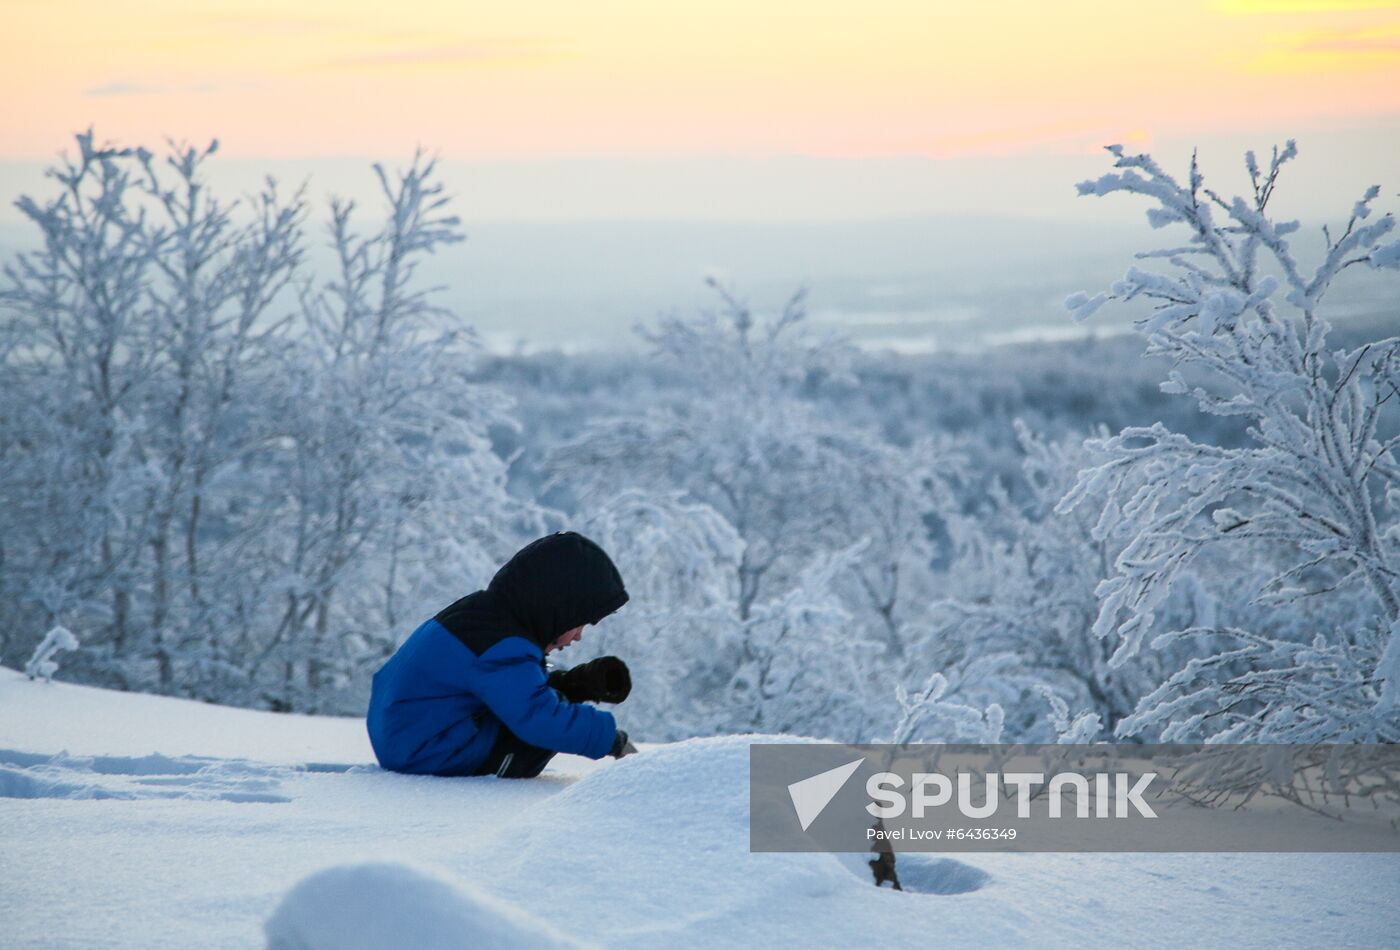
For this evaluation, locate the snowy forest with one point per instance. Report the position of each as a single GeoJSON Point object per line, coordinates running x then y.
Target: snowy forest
{"type": "Point", "coordinates": [244, 451]}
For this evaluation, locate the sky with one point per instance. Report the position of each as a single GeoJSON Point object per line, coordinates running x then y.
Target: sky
{"type": "Point", "coordinates": [783, 120]}
{"type": "Point", "coordinates": [550, 79]}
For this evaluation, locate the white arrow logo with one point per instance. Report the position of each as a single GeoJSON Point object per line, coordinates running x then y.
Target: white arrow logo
{"type": "Point", "coordinates": [811, 795]}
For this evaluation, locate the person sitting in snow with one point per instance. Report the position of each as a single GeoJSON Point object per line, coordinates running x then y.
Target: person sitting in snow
{"type": "Point", "coordinates": [468, 693]}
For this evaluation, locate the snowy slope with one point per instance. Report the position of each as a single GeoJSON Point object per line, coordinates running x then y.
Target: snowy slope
{"type": "Point", "coordinates": [48, 717]}
{"type": "Point", "coordinates": [172, 823]}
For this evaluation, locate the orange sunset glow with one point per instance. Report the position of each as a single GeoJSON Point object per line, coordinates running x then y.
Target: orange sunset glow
{"type": "Point", "coordinates": [544, 79]}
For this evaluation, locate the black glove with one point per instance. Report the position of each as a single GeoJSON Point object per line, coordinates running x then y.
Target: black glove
{"type": "Point", "coordinates": [604, 680]}
{"type": "Point", "coordinates": [621, 746]}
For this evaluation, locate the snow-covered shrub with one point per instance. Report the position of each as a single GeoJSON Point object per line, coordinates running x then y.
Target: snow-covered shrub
{"type": "Point", "coordinates": [1022, 585]}
{"type": "Point", "coordinates": [42, 664]}
{"type": "Point", "coordinates": [795, 663]}
{"type": "Point", "coordinates": [828, 556]}
{"type": "Point", "coordinates": [679, 560]}
{"type": "Point", "coordinates": [1082, 729]}
{"type": "Point", "coordinates": [740, 437]}
{"type": "Point", "coordinates": [929, 716]}
{"type": "Point", "coordinates": [803, 666]}
{"type": "Point", "coordinates": [1302, 518]}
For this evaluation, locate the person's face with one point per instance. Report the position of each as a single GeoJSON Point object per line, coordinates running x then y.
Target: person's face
{"type": "Point", "coordinates": [566, 638]}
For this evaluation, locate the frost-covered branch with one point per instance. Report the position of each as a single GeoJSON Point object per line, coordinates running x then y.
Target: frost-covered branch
{"type": "Point", "coordinates": [42, 664]}
{"type": "Point", "coordinates": [1307, 492]}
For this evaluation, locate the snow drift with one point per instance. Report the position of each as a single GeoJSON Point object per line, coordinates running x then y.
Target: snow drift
{"type": "Point", "coordinates": [395, 905]}
{"type": "Point", "coordinates": [652, 847]}
{"type": "Point", "coordinates": [145, 835]}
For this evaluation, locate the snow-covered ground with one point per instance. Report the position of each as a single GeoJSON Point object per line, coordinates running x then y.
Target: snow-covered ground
{"type": "Point", "coordinates": [140, 821]}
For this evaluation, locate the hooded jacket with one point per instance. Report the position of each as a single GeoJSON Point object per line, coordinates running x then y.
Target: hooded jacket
{"type": "Point", "coordinates": [439, 703]}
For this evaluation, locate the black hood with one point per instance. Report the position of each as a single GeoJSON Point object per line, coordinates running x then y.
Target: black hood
{"type": "Point", "coordinates": [551, 585]}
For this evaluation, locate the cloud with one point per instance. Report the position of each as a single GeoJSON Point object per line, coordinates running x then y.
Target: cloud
{"type": "Point", "coordinates": [120, 87]}
{"type": "Point", "coordinates": [125, 87]}
{"type": "Point", "coordinates": [1349, 43]}
{"type": "Point", "coordinates": [1335, 52]}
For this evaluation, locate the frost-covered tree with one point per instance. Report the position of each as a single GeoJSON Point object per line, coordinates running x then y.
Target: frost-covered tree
{"type": "Point", "coordinates": [394, 501]}
{"type": "Point", "coordinates": [796, 663]}
{"type": "Point", "coordinates": [138, 328]}
{"type": "Point", "coordinates": [738, 435]}
{"type": "Point", "coordinates": [215, 282]}
{"type": "Point", "coordinates": [1022, 585]}
{"type": "Point", "coordinates": [1312, 496]}
{"type": "Point", "coordinates": [808, 605]}
{"type": "Point", "coordinates": [236, 480]}
{"type": "Point", "coordinates": [679, 560]}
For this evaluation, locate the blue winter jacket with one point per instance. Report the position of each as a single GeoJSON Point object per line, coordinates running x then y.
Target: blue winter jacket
{"type": "Point", "coordinates": [437, 707]}
{"type": "Point", "coordinates": [439, 703]}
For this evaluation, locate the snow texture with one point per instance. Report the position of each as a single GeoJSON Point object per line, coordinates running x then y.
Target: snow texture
{"type": "Point", "coordinates": [394, 905]}
{"type": "Point", "coordinates": [650, 850]}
